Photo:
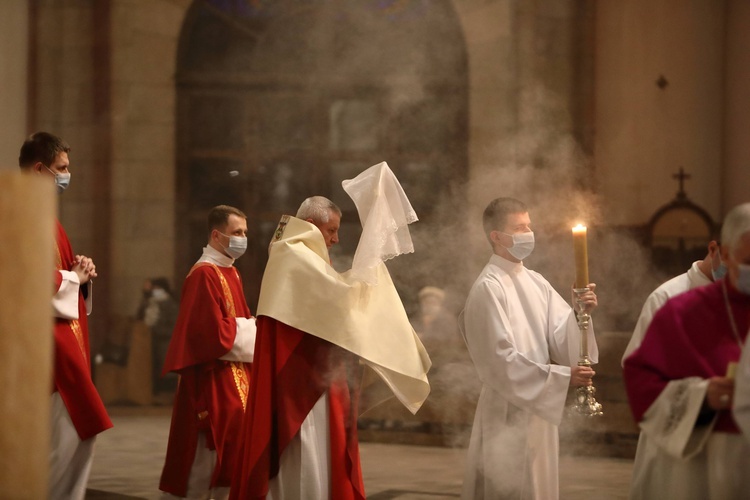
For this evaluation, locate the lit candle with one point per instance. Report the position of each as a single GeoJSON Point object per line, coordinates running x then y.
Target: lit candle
{"type": "Point", "coordinates": [581, 255]}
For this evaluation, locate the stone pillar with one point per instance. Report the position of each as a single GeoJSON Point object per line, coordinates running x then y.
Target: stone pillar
{"type": "Point", "coordinates": [737, 107]}
{"type": "Point", "coordinates": [14, 41]}
{"type": "Point", "coordinates": [27, 210]}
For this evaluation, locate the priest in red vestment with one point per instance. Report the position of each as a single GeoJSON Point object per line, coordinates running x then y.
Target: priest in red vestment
{"type": "Point", "coordinates": [317, 328]}
{"type": "Point", "coordinates": [680, 380]}
{"type": "Point", "coordinates": [78, 413]}
{"type": "Point", "coordinates": [212, 351]}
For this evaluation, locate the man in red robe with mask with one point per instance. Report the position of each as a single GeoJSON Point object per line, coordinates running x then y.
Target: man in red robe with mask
{"type": "Point", "coordinates": [680, 381]}
{"type": "Point", "coordinates": [78, 413]}
{"type": "Point", "coordinates": [212, 350]}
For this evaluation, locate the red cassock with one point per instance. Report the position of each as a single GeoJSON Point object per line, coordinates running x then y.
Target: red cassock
{"type": "Point", "coordinates": [690, 336]}
{"type": "Point", "coordinates": [291, 372]}
{"type": "Point", "coordinates": [72, 371]}
{"type": "Point", "coordinates": [212, 393]}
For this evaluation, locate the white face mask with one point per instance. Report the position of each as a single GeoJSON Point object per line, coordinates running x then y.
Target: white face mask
{"type": "Point", "coordinates": [523, 245]}
{"type": "Point", "coordinates": [237, 246]}
{"type": "Point", "coordinates": [62, 180]}
{"type": "Point", "coordinates": [743, 279]}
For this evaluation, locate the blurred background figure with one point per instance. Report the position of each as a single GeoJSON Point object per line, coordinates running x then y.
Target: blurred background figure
{"type": "Point", "coordinates": [454, 384]}
{"type": "Point", "coordinates": [130, 362]}
{"type": "Point", "coordinates": [433, 323]}
{"type": "Point", "coordinates": [158, 311]}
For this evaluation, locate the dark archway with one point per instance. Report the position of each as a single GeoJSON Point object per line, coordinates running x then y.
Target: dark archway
{"type": "Point", "coordinates": [277, 101]}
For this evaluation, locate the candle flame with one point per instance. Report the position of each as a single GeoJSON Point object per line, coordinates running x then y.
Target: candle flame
{"type": "Point", "coordinates": [579, 227]}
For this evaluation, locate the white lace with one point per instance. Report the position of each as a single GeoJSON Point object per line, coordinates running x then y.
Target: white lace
{"type": "Point", "coordinates": [385, 213]}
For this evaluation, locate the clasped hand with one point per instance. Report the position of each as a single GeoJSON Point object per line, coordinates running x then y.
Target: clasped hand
{"type": "Point", "coordinates": [85, 269]}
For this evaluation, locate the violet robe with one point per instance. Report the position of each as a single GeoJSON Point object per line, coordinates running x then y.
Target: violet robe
{"type": "Point", "coordinates": [689, 341]}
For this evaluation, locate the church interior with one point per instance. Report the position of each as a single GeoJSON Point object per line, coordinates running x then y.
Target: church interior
{"type": "Point", "coordinates": [627, 117]}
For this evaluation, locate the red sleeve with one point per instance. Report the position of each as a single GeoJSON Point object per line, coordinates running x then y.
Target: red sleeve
{"type": "Point", "coordinates": [204, 330]}
{"type": "Point", "coordinates": [57, 278]}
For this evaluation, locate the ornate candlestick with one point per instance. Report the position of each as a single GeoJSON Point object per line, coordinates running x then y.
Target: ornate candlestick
{"type": "Point", "coordinates": [586, 403]}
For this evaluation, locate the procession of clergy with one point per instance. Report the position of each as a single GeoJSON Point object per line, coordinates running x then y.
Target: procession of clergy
{"type": "Point", "coordinates": [267, 404]}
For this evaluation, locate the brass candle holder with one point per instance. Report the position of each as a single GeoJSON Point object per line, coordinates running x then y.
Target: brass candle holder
{"type": "Point", "coordinates": [586, 403]}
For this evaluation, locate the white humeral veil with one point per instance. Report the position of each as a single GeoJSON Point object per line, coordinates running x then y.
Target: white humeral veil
{"type": "Point", "coordinates": [385, 214]}
{"type": "Point", "coordinates": [358, 310]}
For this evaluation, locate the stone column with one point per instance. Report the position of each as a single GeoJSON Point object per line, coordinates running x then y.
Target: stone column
{"type": "Point", "coordinates": [27, 211]}
{"type": "Point", "coordinates": [737, 107]}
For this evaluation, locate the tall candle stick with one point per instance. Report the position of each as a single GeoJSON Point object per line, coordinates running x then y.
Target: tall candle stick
{"type": "Point", "coordinates": [581, 256]}
{"type": "Point", "coordinates": [586, 403]}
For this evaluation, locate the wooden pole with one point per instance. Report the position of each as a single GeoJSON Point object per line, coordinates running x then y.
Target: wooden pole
{"type": "Point", "coordinates": [27, 214]}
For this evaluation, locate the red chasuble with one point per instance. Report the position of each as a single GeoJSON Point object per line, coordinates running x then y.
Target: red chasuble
{"type": "Point", "coordinates": [690, 336]}
{"type": "Point", "coordinates": [291, 372]}
{"type": "Point", "coordinates": [72, 370]}
{"type": "Point", "coordinates": [212, 393]}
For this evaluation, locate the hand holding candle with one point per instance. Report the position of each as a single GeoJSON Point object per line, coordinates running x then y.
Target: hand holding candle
{"type": "Point", "coordinates": [581, 256]}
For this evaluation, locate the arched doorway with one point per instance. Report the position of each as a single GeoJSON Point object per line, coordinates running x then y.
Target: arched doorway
{"type": "Point", "coordinates": [280, 100]}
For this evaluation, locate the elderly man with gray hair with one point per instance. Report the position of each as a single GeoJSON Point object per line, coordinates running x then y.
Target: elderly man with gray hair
{"type": "Point", "coordinates": [325, 215]}
{"type": "Point", "coordinates": [680, 381]}
{"type": "Point", "coordinates": [741, 279]}
{"type": "Point", "coordinates": [317, 330]}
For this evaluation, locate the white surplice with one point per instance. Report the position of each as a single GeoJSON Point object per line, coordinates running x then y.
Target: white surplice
{"type": "Point", "coordinates": [693, 278]}
{"type": "Point", "coordinates": [523, 338]}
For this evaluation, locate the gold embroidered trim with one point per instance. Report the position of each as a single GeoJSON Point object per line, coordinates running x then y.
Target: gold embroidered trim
{"type": "Point", "coordinates": [241, 381]}
{"type": "Point", "coordinates": [238, 371]}
{"type": "Point", "coordinates": [76, 327]}
{"type": "Point", "coordinates": [228, 299]}
{"type": "Point", "coordinates": [58, 262]}
{"type": "Point", "coordinates": [280, 228]}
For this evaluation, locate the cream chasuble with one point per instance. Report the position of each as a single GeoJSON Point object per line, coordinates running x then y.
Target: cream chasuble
{"type": "Point", "coordinates": [359, 310]}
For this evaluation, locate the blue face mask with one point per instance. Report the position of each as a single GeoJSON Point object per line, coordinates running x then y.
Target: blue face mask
{"type": "Point", "coordinates": [237, 246]}
{"type": "Point", "coordinates": [743, 279]}
{"type": "Point", "coordinates": [719, 272]}
{"type": "Point", "coordinates": [62, 181]}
